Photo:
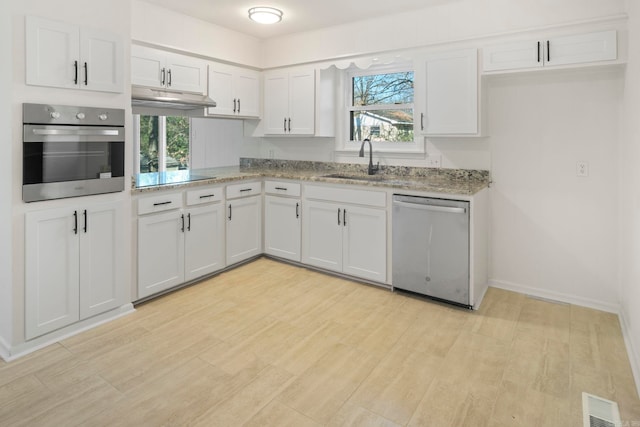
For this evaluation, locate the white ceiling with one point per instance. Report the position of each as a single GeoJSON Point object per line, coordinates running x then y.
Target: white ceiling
{"type": "Point", "coordinates": [299, 15]}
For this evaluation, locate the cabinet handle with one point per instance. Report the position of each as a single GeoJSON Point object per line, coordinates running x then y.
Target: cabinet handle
{"type": "Point", "coordinates": [182, 218]}
{"type": "Point", "coordinates": [86, 74]}
{"type": "Point", "coordinates": [169, 78]}
{"type": "Point", "coordinates": [75, 67]}
{"type": "Point", "coordinates": [289, 124]}
{"type": "Point", "coordinates": [281, 188]}
{"type": "Point", "coordinates": [339, 217]}
{"type": "Point", "coordinates": [86, 222]}
{"type": "Point", "coordinates": [75, 222]}
{"type": "Point", "coordinates": [207, 196]}
{"type": "Point", "coordinates": [548, 51]}
{"type": "Point", "coordinates": [234, 105]}
{"type": "Point", "coordinates": [538, 51]}
{"type": "Point", "coordinates": [246, 189]}
{"type": "Point", "coordinates": [421, 121]}
{"type": "Point", "coordinates": [285, 124]}
{"type": "Point", "coordinates": [189, 221]}
{"type": "Point", "coordinates": [344, 217]}
{"type": "Point", "coordinates": [297, 210]}
{"type": "Point", "coordinates": [162, 203]}
{"type": "Point", "coordinates": [238, 105]}
{"type": "Point", "coordinates": [163, 73]}
{"type": "Point", "coordinates": [229, 211]}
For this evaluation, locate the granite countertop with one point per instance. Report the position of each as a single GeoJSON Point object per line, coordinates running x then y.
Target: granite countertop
{"type": "Point", "coordinates": [450, 181]}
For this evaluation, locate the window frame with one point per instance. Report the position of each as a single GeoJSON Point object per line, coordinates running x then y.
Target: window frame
{"type": "Point", "coordinates": [346, 146]}
{"type": "Point", "coordinates": [162, 142]}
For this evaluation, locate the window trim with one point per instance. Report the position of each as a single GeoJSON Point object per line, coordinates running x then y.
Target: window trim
{"type": "Point", "coordinates": [346, 147]}
{"type": "Point", "coordinates": [162, 142]}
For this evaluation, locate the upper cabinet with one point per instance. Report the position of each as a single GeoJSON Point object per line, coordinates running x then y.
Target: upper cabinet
{"type": "Point", "coordinates": [236, 91]}
{"type": "Point", "coordinates": [166, 70]}
{"type": "Point", "coordinates": [555, 51]}
{"type": "Point", "coordinates": [447, 93]}
{"type": "Point", "coordinates": [289, 102]}
{"type": "Point", "coordinates": [68, 56]}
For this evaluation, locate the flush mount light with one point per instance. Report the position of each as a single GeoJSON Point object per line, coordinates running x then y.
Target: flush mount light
{"type": "Point", "coordinates": [265, 15]}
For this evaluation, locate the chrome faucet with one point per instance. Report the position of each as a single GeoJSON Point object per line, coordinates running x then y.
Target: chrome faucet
{"type": "Point", "coordinates": [372, 169]}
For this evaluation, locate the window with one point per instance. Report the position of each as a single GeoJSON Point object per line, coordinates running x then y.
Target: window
{"type": "Point", "coordinates": [163, 143]}
{"type": "Point", "coordinates": [381, 107]}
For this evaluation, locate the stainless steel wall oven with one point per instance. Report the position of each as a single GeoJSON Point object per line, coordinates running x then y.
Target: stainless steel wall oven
{"type": "Point", "coordinates": [71, 151]}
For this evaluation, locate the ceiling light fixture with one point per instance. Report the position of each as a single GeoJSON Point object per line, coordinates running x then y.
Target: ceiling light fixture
{"type": "Point", "coordinates": [265, 15]}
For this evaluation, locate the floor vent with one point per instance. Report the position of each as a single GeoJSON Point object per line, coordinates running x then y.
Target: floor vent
{"type": "Point", "coordinates": [599, 412]}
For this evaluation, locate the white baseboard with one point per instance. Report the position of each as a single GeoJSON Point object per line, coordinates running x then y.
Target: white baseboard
{"type": "Point", "coordinates": [23, 349]}
{"type": "Point", "coordinates": [5, 350]}
{"type": "Point", "coordinates": [632, 350]}
{"type": "Point", "coordinates": [556, 296]}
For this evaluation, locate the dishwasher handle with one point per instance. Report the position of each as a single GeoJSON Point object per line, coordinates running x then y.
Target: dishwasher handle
{"type": "Point", "coordinates": [431, 208]}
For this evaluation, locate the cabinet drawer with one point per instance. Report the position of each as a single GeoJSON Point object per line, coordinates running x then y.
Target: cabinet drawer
{"type": "Point", "coordinates": [204, 195]}
{"type": "Point", "coordinates": [282, 188]}
{"type": "Point", "coordinates": [244, 189]}
{"type": "Point", "coordinates": [346, 195]}
{"type": "Point", "coordinates": [159, 203]}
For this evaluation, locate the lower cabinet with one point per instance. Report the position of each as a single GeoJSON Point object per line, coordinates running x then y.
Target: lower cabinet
{"type": "Point", "coordinates": [282, 220]}
{"type": "Point", "coordinates": [73, 265]}
{"type": "Point", "coordinates": [346, 238]}
{"type": "Point", "coordinates": [179, 245]}
{"type": "Point", "coordinates": [244, 226]}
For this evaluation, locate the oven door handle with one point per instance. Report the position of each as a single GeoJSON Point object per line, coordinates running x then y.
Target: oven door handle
{"type": "Point", "coordinates": [83, 132]}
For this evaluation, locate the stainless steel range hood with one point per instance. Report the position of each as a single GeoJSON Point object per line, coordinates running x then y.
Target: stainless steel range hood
{"type": "Point", "coordinates": [148, 97]}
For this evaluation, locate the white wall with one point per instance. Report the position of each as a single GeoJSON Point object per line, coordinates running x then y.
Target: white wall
{"type": "Point", "coordinates": [6, 277]}
{"type": "Point", "coordinates": [162, 27]}
{"type": "Point", "coordinates": [442, 22]}
{"type": "Point", "coordinates": [554, 233]}
{"type": "Point", "coordinates": [629, 193]}
{"type": "Point", "coordinates": [215, 142]}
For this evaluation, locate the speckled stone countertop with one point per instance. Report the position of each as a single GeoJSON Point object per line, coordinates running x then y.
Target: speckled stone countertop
{"type": "Point", "coordinates": [450, 181]}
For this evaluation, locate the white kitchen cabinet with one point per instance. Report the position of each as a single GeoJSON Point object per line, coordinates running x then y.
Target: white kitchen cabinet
{"type": "Point", "coordinates": [236, 91]}
{"type": "Point", "coordinates": [244, 221]}
{"type": "Point", "coordinates": [176, 244]}
{"type": "Point", "coordinates": [69, 56]}
{"type": "Point", "coordinates": [73, 265]}
{"type": "Point", "coordinates": [282, 227]}
{"type": "Point", "coordinates": [166, 70]}
{"type": "Point", "coordinates": [553, 51]}
{"type": "Point", "coordinates": [346, 237]}
{"type": "Point", "coordinates": [448, 93]}
{"type": "Point", "coordinates": [289, 102]}
{"type": "Point", "coordinates": [204, 241]}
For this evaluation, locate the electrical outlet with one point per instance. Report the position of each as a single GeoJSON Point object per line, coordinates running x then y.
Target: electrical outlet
{"type": "Point", "coordinates": [434, 161]}
{"type": "Point", "coordinates": [582, 169]}
{"type": "Point", "coordinates": [271, 154]}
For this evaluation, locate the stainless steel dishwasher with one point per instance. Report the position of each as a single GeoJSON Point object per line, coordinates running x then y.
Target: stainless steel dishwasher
{"type": "Point", "coordinates": [431, 247]}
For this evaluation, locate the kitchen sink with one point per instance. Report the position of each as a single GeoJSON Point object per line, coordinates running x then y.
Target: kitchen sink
{"type": "Point", "coordinates": [356, 177]}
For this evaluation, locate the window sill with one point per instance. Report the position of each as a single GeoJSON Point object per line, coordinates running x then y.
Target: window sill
{"type": "Point", "coordinates": [390, 154]}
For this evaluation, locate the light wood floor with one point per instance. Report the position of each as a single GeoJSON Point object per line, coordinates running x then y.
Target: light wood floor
{"type": "Point", "coordinates": [272, 344]}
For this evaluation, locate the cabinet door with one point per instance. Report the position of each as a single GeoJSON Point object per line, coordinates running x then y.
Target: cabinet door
{"type": "Point", "coordinates": [282, 227]}
{"type": "Point", "coordinates": [600, 46]}
{"type": "Point", "coordinates": [244, 228]}
{"type": "Point", "coordinates": [452, 93]}
{"type": "Point", "coordinates": [221, 90]}
{"type": "Point", "coordinates": [147, 67]}
{"type": "Point", "coordinates": [102, 58]}
{"type": "Point", "coordinates": [276, 103]}
{"type": "Point", "coordinates": [185, 73]}
{"type": "Point", "coordinates": [365, 243]}
{"type": "Point", "coordinates": [511, 56]}
{"type": "Point", "coordinates": [52, 50]}
{"type": "Point", "coordinates": [51, 271]}
{"type": "Point", "coordinates": [322, 235]}
{"type": "Point", "coordinates": [102, 284]}
{"type": "Point", "coordinates": [247, 91]}
{"type": "Point", "coordinates": [204, 241]}
{"type": "Point", "coordinates": [160, 252]}
{"type": "Point", "coordinates": [302, 110]}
